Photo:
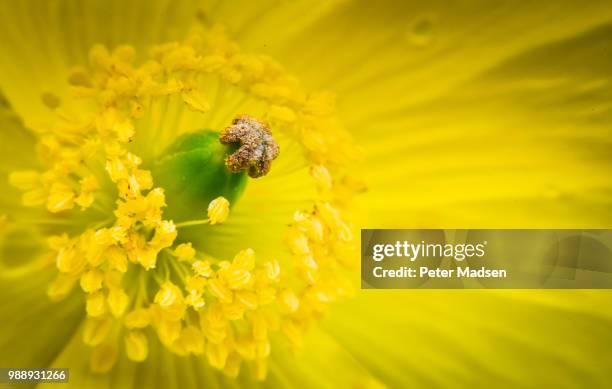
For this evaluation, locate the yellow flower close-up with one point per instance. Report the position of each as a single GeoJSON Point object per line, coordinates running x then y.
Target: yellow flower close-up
{"type": "Point", "coordinates": [184, 184]}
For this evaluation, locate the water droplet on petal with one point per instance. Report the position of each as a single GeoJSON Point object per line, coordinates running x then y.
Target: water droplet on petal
{"type": "Point", "coordinates": [421, 32]}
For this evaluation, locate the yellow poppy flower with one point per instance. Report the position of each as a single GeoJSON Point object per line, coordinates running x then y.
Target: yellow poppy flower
{"type": "Point", "coordinates": [182, 184]}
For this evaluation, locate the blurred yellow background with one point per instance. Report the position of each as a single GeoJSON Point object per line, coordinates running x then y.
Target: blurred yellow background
{"type": "Point", "coordinates": [470, 114]}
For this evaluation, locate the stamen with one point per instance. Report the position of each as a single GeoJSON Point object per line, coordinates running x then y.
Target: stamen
{"type": "Point", "coordinates": [97, 330]}
{"type": "Point", "coordinates": [218, 210]}
{"type": "Point", "coordinates": [191, 223]}
{"type": "Point", "coordinates": [257, 146]}
{"type": "Point", "coordinates": [184, 252]}
{"type": "Point", "coordinates": [136, 346]}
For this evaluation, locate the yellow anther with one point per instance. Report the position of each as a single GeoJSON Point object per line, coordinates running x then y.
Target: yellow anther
{"type": "Point", "coordinates": [156, 198]}
{"type": "Point", "coordinates": [308, 275]}
{"type": "Point", "coordinates": [218, 210]}
{"type": "Point", "coordinates": [195, 284]}
{"type": "Point", "coordinates": [144, 180]}
{"type": "Point", "coordinates": [217, 354]}
{"type": "Point", "coordinates": [124, 53]}
{"type": "Point", "coordinates": [283, 114]}
{"type": "Point", "coordinates": [96, 330]}
{"type": "Point", "coordinates": [311, 225]}
{"type": "Point", "coordinates": [232, 365]}
{"type": "Point", "coordinates": [260, 328]}
{"type": "Point", "coordinates": [61, 286]}
{"type": "Point", "coordinates": [179, 346]}
{"type": "Point", "coordinates": [117, 259]}
{"type": "Point", "coordinates": [266, 295]}
{"type": "Point", "coordinates": [309, 262]}
{"type": "Point", "coordinates": [247, 298]}
{"type": "Point", "coordinates": [215, 334]}
{"type": "Point", "coordinates": [321, 176]}
{"type": "Point", "coordinates": [262, 90]}
{"type": "Point", "coordinates": [96, 304]}
{"type": "Point", "coordinates": [140, 180]}
{"type": "Point", "coordinates": [260, 369]}
{"type": "Point", "coordinates": [168, 294]}
{"type": "Point", "coordinates": [245, 259]}
{"type": "Point", "coordinates": [94, 253]}
{"type": "Point", "coordinates": [211, 63]}
{"type": "Point", "coordinates": [99, 56]}
{"type": "Point", "coordinates": [138, 318]}
{"type": "Point", "coordinates": [202, 268]}
{"type": "Point", "coordinates": [69, 260]}
{"type": "Point", "coordinates": [147, 258]}
{"type": "Point", "coordinates": [191, 340]}
{"type": "Point", "coordinates": [234, 310]}
{"type": "Point", "coordinates": [106, 237]}
{"type": "Point", "coordinates": [84, 199]}
{"type": "Point", "coordinates": [184, 252]}
{"type": "Point", "coordinates": [118, 301]}
{"type": "Point", "coordinates": [88, 185]}
{"type": "Point", "coordinates": [116, 169]}
{"type": "Point", "coordinates": [315, 142]}
{"type": "Point", "coordinates": [224, 265]}
{"type": "Point", "coordinates": [92, 280]}
{"type": "Point", "coordinates": [293, 333]}
{"type": "Point", "coordinates": [165, 233]}
{"type": "Point", "coordinates": [273, 270]}
{"type": "Point", "coordinates": [218, 289]}
{"type": "Point", "coordinates": [103, 357]}
{"type": "Point", "coordinates": [61, 197]}
{"type": "Point", "coordinates": [34, 198]}
{"type": "Point", "coordinates": [289, 301]}
{"type": "Point", "coordinates": [237, 278]}
{"type": "Point", "coordinates": [168, 331]}
{"type": "Point", "coordinates": [297, 242]}
{"type": "Point", "coordinates": [215, 318]}
{"type": "Point", "coordinates": [195, 300]}
{"type": "Point", "coordinates": [321, 104]}
{"type": "Point", "coordinates": [25, 180]}
{"type": "Point", "coordinates": [233, 76]}
{"type": "Point", "coordinates": [262, 349]}
{"type": "Point", "coordinates": [113, 279]}
{"type": "Point", "coordinates": [58, 242]}
{"type": "Point", "coordinates": [176, 311]}
{"type": "Point", "coordinates": [136, 346]}
{"type": "Point", "coordinates": [246, 347]}
{"type": "Point", "coordinates": [331, 217]}
{"type": "Point", "coordinates": [315, 230]}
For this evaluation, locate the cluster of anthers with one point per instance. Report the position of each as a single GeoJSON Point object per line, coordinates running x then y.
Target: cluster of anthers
{"type": "Point", "coordinates": [139, 277]}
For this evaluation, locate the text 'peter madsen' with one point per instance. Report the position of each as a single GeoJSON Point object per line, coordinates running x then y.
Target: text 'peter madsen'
{"type": "Point", "coordinates": [412, 251]}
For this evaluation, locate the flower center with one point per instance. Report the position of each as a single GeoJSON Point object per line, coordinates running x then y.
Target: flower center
{"type": "Point", "coordinates": [201, 166]}
{"type": "Point", "coordinates": [139, 273]}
